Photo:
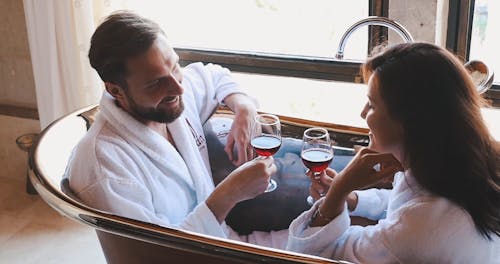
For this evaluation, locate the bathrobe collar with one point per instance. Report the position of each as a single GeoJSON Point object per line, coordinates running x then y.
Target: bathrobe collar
{"type": "Point", "coordinates": [187, 157]}
{"type": "Point", "coordinates": [405, 189]}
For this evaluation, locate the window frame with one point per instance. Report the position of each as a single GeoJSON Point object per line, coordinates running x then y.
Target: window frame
{"type": "Point", "coordinates": [275, 64]}
{"type": "Point", "coordinates": [460, 17]}
{"type": "Point", "coordinates": [458, 38]}
{"type": "Point", "coordinates": [322, 68]}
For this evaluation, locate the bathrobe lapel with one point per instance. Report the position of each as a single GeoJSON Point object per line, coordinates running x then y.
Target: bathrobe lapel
{"type": "Point", "coordinates": [405, 189]}
{"type": "Point", "coordinates": [183, 164]}
{"type": "Point", "coordinates": [186, 145]}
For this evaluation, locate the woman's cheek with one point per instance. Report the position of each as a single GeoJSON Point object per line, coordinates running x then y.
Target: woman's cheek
{"type": "Point", "coordinates": [373, 144]}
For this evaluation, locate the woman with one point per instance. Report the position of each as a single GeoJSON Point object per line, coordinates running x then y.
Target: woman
{"type": "Point", "coordinates": [426, 130]}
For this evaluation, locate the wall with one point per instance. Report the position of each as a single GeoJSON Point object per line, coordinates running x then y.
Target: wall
{"type": "Point", "coordinates": [17, 86]}
{"type": "Point", "coordinates": [418, 17]}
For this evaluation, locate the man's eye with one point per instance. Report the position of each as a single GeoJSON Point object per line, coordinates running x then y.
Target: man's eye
{"type": "Point", "coordinates": [153, 85]}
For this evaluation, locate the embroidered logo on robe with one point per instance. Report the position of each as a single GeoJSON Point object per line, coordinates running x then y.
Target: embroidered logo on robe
{"type": "Point", "coordinates": [199, 139]}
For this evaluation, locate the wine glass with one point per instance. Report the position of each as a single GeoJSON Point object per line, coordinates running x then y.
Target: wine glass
{"type": "Point", "coordinates": [266, 139]}
{"type": "Point", "coordinates": [317, 152]}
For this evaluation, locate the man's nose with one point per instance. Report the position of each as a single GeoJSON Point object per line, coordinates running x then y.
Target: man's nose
{"type": "Point", "coordinates": [175, 85]}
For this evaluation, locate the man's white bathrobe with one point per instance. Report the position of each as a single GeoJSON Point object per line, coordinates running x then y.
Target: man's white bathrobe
{"type": "Point", "coordinates": [123, 167]}
{"type": "Point", "coordinates": [415, 227]}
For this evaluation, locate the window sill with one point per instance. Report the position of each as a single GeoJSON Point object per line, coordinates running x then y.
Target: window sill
{"type": "Point", "coordinates": [320, 101]}
{"type": "Point", "coordinates": [330, 102]}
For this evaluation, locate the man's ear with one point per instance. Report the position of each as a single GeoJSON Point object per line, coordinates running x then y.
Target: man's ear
{"type": "Point", "coordinates": [115, 90]}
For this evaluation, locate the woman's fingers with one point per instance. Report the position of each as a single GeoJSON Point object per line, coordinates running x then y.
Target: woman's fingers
{"type": "Point", "coordinates": [319, 188]}
{"type": "Point", "coordinates": [314, 193]}
{"type": "Point", "coordinates": [384, 162]}
{"type": "Point", "coordinates": [368, 167]}
{"type": "Point", "coordinates": [376, 157]}
{"type": "Point", "coordinates": [379, 161]}
{"type": "Point", "coordinates": [327, 177]}
{"type": "Point", "coordinates": [331, 173]}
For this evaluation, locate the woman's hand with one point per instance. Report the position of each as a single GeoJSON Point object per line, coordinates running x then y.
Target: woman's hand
{"type": "Point", "coordinates": [319, 187]}
{"type": "Point", "coordinates": [359, 173]}
{"type": "Point", "coordinates": [320, 183]}
{"type": "Point", "coordinates": [368, 168]}
{"type": "Point", "coordinates": [245, 182]}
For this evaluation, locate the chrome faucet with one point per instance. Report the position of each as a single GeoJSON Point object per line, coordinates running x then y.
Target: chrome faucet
{"type": "Point", "coordinates": [373, 20]}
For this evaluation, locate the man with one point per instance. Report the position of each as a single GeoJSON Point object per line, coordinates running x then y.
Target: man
{"type": "Point", "coordinates": [145, 155]}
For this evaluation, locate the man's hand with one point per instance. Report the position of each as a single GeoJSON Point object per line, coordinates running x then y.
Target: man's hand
{"type": "Point", "coordinates": [239, 137]}
{"type": "Point", "coordinates": [245, 182]}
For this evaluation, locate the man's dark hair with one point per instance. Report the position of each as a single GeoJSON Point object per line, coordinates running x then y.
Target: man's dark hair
{"type": "Point", "coordinates": [122, 35]}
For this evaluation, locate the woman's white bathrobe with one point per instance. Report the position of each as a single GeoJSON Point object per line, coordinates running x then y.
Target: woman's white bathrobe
{"type": "Point", "coordinates": [417, 227]}
{"type": "Point", "coordinates": [123, 167]}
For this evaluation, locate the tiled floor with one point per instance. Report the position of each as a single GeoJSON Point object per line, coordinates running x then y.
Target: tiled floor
{"type": "Point", "coordinates": [31, 231]}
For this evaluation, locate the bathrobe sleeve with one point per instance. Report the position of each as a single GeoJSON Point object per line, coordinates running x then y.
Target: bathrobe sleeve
{"type": "Point", "coordinates": [274, 239]}
{"type": "Point", "coordinates": [121, 190]}
{"type": "Point", "coordinates": [372, 203]}
{"type": "Point", "coordinates": [208, 85]}
{"type": "Point", "coordinates": [339, 240]}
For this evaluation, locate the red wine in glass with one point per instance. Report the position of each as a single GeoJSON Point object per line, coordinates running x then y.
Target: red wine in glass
{"type": "Point", "coordinates": [317, 153]}
{"type": "Point", "coordinates": [266, 139]}
{"type": "Point", "coordinates": [317, 159]}
{"type": "Point", "coordinates": [266, 145]}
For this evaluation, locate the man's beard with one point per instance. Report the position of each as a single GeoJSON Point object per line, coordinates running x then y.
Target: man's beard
{"type": "Point", "coordinates": [154, 114]}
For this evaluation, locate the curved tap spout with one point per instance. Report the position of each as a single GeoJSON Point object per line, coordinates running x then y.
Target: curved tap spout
{"type": "Point", "coordinates": [373, 20]}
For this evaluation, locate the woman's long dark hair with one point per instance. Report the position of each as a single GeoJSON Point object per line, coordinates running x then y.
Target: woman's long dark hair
{"type": "Point", "coordinates": [447, 145]}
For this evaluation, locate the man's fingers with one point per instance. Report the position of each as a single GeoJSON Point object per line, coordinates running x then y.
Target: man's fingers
{"type": "Point", "coordinates": [229, 147]}
{"type": "Point", "coordinates": [250, 153]}
{"type": "Point", "coordinates": [242, 156]}
{"type": "Point", "coordinates": [273, 169]}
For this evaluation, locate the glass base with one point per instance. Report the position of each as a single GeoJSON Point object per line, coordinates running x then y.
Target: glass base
{"type": "Point", "coordinates": [272, 186]}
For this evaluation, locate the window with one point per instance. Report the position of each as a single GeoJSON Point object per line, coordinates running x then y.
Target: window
{"type": "Point", "coordinates": [472, 26]}
{"type": "Point", "coordinates": [484, 41]}
{"type": "Point", "coordinates": [263, 40]}
{"type": "Point", "coordinates": [287, 47]}
{"type": "Point", "coordinates": [287, 27]}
